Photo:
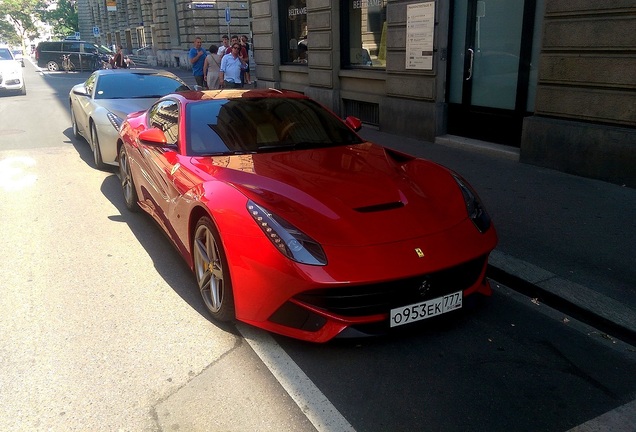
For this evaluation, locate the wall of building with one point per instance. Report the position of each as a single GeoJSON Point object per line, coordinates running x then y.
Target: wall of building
{"type": "Point", "coordinates": [169, 26]}
{"type": "Point", "coordinates": [585, 114]}
{"type": "Point", "coordinates": [584, 119]}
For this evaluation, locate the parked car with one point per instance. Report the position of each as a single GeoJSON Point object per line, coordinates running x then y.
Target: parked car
{"type": "Point", "coordinates": [100, 104]}
{"type": "Point", "coordinates": [11, 78]}
{"type": "Point", "coordinates": [293, 223]}
{"type": "Point", "coordinates": [82, 54]}
{"type": "Point", "coordinates": [18, 54]}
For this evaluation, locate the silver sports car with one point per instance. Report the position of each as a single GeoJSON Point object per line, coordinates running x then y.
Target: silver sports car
{"type": "Point", "coordinates": [102, 102]}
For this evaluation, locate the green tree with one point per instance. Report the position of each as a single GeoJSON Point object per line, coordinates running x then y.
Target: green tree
{"type": "Point", "coordinates": [8, 34]}
{"type": "Point", "coordinates": [61, 15]}
{"type": "Point", "coordinates": [21, 15]}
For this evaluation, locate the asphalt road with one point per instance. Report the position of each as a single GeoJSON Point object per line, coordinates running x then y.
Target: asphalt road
{"type": "Point", "coordinates": [103, 327]}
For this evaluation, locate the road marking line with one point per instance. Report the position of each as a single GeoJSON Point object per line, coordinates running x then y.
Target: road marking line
{"type": "Point", "coordinates": [311, 401]}
{"type": "Point", "coordinates": [621, 419]}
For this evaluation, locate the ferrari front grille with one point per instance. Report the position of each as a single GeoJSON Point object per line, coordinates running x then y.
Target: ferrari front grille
{"type": "Point", "coordinates": [362, 300]}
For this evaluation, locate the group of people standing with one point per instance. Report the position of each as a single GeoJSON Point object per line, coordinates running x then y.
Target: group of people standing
{"type": "Point", "coordinates": [225, 66]}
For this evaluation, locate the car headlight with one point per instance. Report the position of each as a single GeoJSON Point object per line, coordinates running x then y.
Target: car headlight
{"type": "Point", "coordinates": [476, 211]}
{"type": "Point", "coordinates": [115, 120]}
{"type": "Point", "coordinates": [289, 240]}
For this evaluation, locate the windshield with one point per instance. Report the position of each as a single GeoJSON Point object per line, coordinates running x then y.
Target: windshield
{"type": "Point", "coordinates": [257, 125]}
{"type": "Point", "coordinates": [127, 85]}
{"type": "Point", "coordinates": [5, 54]}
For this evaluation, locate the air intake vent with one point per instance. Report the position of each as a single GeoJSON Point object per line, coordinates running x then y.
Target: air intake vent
{"type": "Point", "coordinates": [366, 111]}
{"type": "Point", "coordinates": [380, 207]}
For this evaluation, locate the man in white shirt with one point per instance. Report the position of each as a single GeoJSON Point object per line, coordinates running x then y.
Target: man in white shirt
{"type": "Point", "coordinates": [230, 70]}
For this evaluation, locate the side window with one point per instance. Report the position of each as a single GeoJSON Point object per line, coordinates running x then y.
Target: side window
{"type": "Point", "coordinates": [293, 31]}
{"type": "Point", "coordinates": [90, 83]}
{"type": "Point", "coordinates": [165, 116]}
{"type": "Point", "coordinates": [89, 48]}
{"type": "Point", "coordinates": [73, 47]}
{"type": "Point", "coordinates": [364, 33]}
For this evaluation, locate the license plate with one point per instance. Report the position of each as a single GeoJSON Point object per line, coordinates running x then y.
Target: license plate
{"type": "Point", "coordinates": [426, 309]}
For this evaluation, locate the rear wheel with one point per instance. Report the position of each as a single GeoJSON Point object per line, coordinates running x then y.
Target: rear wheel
{"type": "Point", "coordinates": [127, 183]}
{"type": "Point", "coordinates": [53, 66]}
{"type": "Point", "coordinates": [97, 153]}
{"type": "Point", "coordinates": [23, 89]}
{"type": "Point", "coordinates": [211, 271]}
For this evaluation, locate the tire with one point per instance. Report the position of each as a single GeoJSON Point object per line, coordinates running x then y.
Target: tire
{"type": "Point", "coordinates": [212, 272]}
{"type": "Point", "coordinates": [52, 66]}
{"type": "Point", "coordinates": [127, 183]}
{"type": "Point", "coordinates": [97, 153]}
{"type": "Point", "coordinates": [76, 133]}
{"type": "Point", "coordinates": [23, 90]}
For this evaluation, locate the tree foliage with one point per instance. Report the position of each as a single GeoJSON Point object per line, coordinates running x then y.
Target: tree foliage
{"type": "Point", "coordinates": [19, 19]}
{"type": "Point", "coordinates": [8, 34]}
{"type": "Point", "coordinates": [62, 18]}
{"type": "Point", "coordinates": [22, 16]}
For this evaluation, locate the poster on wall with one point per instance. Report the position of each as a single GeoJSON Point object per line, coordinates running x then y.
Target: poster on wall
{"type": "Point", "coordinates": [420, 30]}
{"type": "Point", "coordinates": [111, 5]}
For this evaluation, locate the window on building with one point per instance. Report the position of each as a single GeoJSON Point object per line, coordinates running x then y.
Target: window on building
{"type": "Point", "coordinates": [293, 31]}
{"type": "Point", "coordinates": [364, 33]}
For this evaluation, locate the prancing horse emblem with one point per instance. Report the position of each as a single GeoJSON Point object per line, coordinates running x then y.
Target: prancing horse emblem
{"type": "Point", "coordinates": [424, 287]}
{"type": "Point", "coordinates": [419, 252]}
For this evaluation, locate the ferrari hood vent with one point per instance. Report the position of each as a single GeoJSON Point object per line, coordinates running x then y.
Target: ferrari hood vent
{"type": "Point", "coordinates": [380, 207]}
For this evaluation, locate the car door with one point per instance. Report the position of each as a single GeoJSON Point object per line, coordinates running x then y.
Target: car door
{"type": "Point", "coordinates": [161, 164]}
{"type": "Point", "coordinates": [84, 106]}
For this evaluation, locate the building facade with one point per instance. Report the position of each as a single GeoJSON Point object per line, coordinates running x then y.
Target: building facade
{"type": "Point", "coordinates": [552, 77]}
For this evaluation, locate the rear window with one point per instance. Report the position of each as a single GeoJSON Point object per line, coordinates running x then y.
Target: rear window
{"type": "Point", "coordinates": [127, 85]}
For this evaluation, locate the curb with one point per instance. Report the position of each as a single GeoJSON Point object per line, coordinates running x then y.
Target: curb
{"type": "Point", "coordinates": [582, 303]}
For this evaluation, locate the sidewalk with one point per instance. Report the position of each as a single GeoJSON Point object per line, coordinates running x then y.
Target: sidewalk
{"type": "Point", "coordinates": [567, 240]}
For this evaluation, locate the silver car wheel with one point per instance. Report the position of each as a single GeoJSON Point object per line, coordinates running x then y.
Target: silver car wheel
{"type": "Point", "coordinates": [97, 153]}
{"type": "Point", "coordinates": [210, 271]}
{"type": "Point", "coordinates": [74, 123]}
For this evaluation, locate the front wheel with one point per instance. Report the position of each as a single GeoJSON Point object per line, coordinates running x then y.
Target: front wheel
{"type": "Point", "coordinates": [97, 153]}
{"type": "Point", "coordinates": [127, 183]}
{"type": "Point", "coordinates": [212, 272]}
{"type": "Point", "coordinates": [76, 133]}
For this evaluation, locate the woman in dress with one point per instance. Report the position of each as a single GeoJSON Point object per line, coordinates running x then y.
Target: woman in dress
{"type": "Point", "coordinates": [211, 68]}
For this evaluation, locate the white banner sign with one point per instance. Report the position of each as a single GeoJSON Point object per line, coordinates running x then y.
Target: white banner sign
{"type": "Point", "coordinates": [420, 32]}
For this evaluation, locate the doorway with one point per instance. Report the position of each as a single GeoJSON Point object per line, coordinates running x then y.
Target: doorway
{"type": "Point", "coordinates": [492, 75]}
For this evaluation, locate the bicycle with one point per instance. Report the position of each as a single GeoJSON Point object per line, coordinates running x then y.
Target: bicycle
{"type": "Point", "coordinates": [67, 64]}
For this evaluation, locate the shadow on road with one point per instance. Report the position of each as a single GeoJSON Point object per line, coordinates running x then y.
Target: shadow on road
{"type": "Point", "coordinates": [167, 261]}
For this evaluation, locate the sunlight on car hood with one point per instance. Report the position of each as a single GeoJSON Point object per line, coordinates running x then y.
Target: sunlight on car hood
{"type": "Point", "coordinates": [349, 188]}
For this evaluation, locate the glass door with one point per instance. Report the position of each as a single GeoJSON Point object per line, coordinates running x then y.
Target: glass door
{"type": "Point", "coordinates": [492, 73]}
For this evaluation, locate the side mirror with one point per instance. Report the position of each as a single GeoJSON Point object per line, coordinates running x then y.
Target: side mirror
{"type": "Point", "coordinates": [354, 123]}
{"type": "Point", "coordinates": [153, 137]}
{"type": "Point", "coordinates": [81, 91]}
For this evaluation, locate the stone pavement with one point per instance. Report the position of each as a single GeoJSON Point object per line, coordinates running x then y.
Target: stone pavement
{"type": "Point", "coordinates": [566, 240]}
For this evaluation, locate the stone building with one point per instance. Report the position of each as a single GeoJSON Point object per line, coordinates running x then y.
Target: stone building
{"type": "Point", "coordinates": [161, 31]}
{"type": "Point", "coordinates": [554, 78]}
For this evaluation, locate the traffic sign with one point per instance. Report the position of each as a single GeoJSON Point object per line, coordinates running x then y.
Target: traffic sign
{"type": "Point", "coordinates": [228, 17]}
{"type": "Point", "coordinates": [95, 31]}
